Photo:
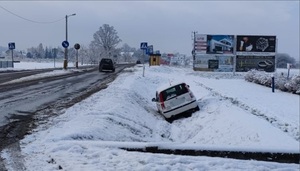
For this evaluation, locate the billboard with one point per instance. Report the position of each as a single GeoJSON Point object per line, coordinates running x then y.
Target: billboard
{"type": "Point", "coordinates": [217, 52]}
{"type": "Point", "coordinates": [220, 44]}
{"type": "Point", "coordinates": [214, 44]}
{"type": "Point", "coordinates": [255, 45]}
{"type": "Point", "coordinates": [262, 63]}
{"type": "Point", "coordinates": [219, 63]}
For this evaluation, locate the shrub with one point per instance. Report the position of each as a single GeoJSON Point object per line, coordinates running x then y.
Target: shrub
{"type": "Point", "coordinates": [281, 82]}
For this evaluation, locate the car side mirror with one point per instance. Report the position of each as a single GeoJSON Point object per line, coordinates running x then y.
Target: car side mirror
{"type": "Point", "coordinates": [154, 100]}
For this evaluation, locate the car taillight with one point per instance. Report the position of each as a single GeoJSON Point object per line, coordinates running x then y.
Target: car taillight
{"type": "Point", "coordinates": [191, 94]}
{"type": "Point", "coordinates": [161, 101]}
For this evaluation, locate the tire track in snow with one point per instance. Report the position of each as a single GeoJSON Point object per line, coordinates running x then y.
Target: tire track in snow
{"type": "Point", "coordinates": [291, 130]}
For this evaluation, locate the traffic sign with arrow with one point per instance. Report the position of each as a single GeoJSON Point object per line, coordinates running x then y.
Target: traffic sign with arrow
{"type": "Point", "coordinates": [65, 44]}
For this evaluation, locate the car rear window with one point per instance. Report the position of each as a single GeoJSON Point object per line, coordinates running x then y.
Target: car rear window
{"type": "Point", "coordinates": [174, 91]}
{"type": "Point", "coordinates": [106, 61]}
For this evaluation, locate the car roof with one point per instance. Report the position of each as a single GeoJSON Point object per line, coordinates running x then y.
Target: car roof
{"type": "Point", "coordinates": [166, 86]}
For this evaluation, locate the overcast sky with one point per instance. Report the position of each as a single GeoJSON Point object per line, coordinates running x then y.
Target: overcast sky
{"type": "Point", "coordinates": [167, 25]}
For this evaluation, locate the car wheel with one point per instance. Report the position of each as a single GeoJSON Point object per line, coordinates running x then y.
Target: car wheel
{"type": "Point", "coordinates": [170, 120]}
{"type": "Point", "coordinates": [197, 108]}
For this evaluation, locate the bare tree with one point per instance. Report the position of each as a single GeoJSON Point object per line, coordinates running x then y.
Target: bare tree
{"type": "Point", "coordinates": [83, 55]}
{"type": "Point", "coordinates": [105, 41]}
{"type": "Point", "coordinates": [127, 52]}
{"type": "Point", "coordinates": [282, 59]}
{"type": "Point", "coordinates": [94, 53]}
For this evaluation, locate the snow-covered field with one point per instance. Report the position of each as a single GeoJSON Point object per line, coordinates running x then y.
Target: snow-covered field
{"type": "Point", "coordinates": [35, 65]}
{"type": "Point", "coordinates": [234, 114]}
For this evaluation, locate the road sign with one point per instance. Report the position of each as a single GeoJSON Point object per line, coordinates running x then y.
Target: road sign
{"type": "Point", "coordinates": [65, 44]}
{"type": "Point", "coordinates": [11, 45]}
{"type": "Point", "coordinates": [149, 50]}
{"type": "Point", "coordinates": [144, 45]}
{"type": "Point", "coordinates": [77, 46]}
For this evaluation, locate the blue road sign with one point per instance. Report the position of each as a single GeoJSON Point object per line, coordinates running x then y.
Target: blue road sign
{"type": "Point", "coordinates": [11, 45]}
{"type": "Point", "coordinates": [144, 45]}
{"type": "Point", "coordinates": [65, 44]}
{"type": "Point", "coordinates": [149, 50]}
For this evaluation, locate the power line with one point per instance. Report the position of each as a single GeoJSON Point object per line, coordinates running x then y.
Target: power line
{"type": "Point", "coordinates": [38, 22]}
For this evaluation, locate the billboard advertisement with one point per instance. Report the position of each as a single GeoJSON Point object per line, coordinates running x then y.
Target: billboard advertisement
{"type": "Point", "coordinates": [201, 62]}
{"type": "Point", "coordinates": [262, 63]}
{"type": "Point", "coordinates": [225, 63]}
{"type": "Point", "coordinates": [255, 45]}
{"type": "Point", "coordinates": [214, 44]}
{"type": "Point", "coordinates": [217, 63]}
{"type": "Point", "coordinates": [200, 43]}
{"type": "Point", "coordinates": [220, 44]}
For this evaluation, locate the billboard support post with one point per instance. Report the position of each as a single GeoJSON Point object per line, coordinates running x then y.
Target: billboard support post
{"type": "Point", "coordinates": [234, 56]}
{"type": "Point", "coordinates": [234, 64]}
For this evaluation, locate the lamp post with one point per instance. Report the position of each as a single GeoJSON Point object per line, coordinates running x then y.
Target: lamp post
{"type": "Point", "coordinates": [66, 49]}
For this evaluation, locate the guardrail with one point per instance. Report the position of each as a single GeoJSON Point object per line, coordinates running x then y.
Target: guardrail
{"type": "Point", "coordinates": [280, 157]}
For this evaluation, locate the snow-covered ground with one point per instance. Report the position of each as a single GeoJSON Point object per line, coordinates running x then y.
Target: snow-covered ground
{"type": "Point", "coordinates": [234, 114]}
{"type": "Point", "coordinates": [40, 65]}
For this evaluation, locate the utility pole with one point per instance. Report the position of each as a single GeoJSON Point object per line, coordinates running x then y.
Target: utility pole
{"type": "Point", "coordinates": [66, 47]}
{"type": "Point", "coordinates": [194, 49]}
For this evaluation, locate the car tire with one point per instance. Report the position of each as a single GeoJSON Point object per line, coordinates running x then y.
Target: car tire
{"type": "Point", "coordinates": [170, 120]}
{"type": "Point", "coordinates": [197, 108]}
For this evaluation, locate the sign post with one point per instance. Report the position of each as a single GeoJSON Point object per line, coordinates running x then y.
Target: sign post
{"type": "Point", "coordinates": [289, 68]}
{"type": "Point", "coordinates": [12, 46]}
{"type": "Point", "coordinates": [273, 83]}
{"type": "Point", "coordinates": [76, 46]}
{"type": "Point", "coordinates": [144, 47]}
{"type": "Point", "coordinates": [65, 44]}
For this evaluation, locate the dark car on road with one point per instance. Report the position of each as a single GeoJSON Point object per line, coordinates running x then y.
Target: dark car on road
{"type": "Point", "coordinates": [106, 64]}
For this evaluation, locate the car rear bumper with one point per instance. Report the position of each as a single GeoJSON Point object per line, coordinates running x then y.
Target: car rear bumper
{"type": "Point", "coordinates": [180, 109]}
{"type": "Point", "coordinates": [106, 68]}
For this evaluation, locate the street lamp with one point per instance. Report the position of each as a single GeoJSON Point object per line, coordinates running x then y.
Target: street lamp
{"type": "Point", "coordinates": [66, 48]}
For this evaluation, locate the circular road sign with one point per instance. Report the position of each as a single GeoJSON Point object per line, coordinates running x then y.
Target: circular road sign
{"type": "Point", "coordinates": [65, 44]}
{"type": "Point", "coordinates": [77, 46]}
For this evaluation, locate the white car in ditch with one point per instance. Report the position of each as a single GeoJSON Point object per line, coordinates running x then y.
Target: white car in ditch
{"type": "Point", "coordinates": [176, 99]}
